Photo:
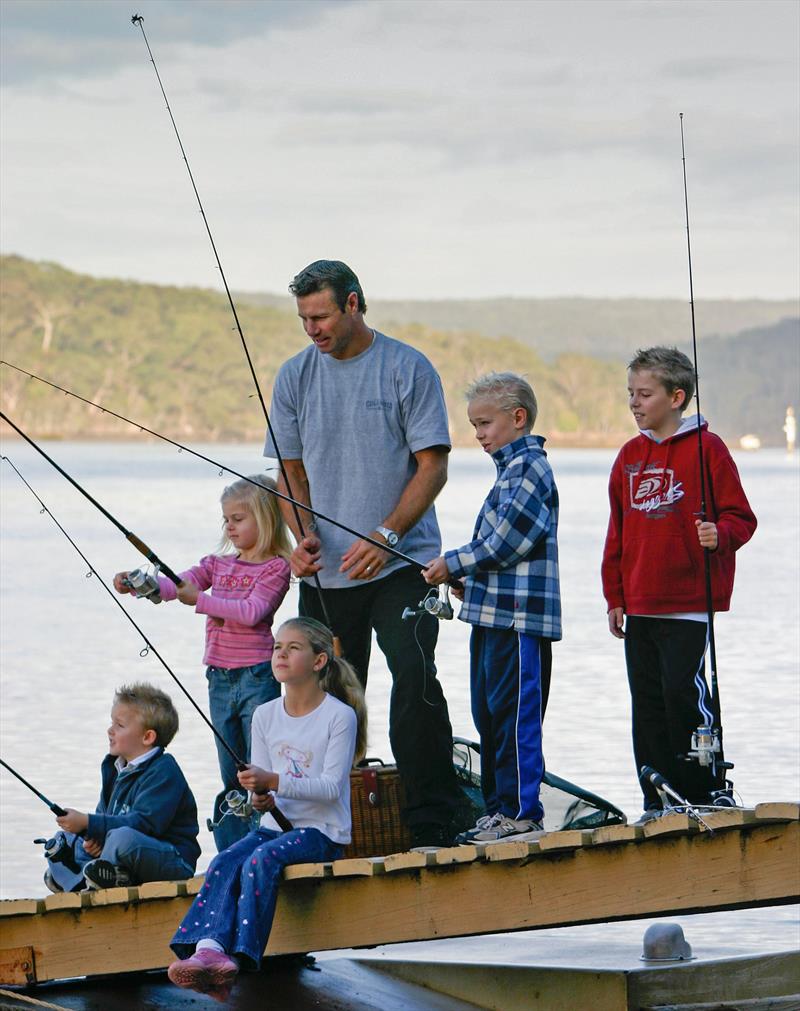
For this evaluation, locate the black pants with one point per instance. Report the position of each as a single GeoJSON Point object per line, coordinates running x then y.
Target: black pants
{"type": "Point", "coordinates": [670, 700]}
{"type": "Point", "coordinates": [419, 724]}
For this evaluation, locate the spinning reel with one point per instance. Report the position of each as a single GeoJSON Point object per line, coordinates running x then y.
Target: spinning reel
{"type": "Point", "coordinates": [142, 583]}
{"type": "Point", "coordinates": [236, 804]}
{"type": "Point", "coordinates": [437, 605]}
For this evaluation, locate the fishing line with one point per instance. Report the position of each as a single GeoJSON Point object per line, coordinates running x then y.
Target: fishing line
{"type": "Point", "coordinates": [135, 541]}
{"type": "Point", "coordinates": [220, 466]}
{"type": "Point", "coordinates": [137, 19]}
{"type": "Point", "coordinates": [59, 811]}
{"type": "Point", "coordinates": [719, 763]}
{"type": "Point", "coordinates": [149, 648]}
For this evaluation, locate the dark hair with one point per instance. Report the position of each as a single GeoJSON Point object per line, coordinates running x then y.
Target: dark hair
{"type": "Point", "coordinates": [154, 707]}
{"type": "Point", "coordinates": [331, 274]}
{"type": "Point", "coordinates": [670, 366]}
{"type": "Point", "coordinates": [337, 677]}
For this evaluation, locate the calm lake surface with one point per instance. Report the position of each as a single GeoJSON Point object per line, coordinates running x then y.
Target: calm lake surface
{"type": "Point", "coordinates": [65, 645]}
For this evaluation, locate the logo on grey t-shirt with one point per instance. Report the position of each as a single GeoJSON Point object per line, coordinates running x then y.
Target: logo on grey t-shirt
{"type": "Point", "coordinates": [379, 405]}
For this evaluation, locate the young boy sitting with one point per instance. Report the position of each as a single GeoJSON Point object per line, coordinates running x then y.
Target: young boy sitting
{"type": "Point", "coordinates": [511, 598]}
{"type": "Point", "coordinates": [653, 566]}
{"type": "Point", "coordinates": [145, 825]}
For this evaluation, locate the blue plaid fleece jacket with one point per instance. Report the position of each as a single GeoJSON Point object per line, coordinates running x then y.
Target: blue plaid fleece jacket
{"type": "Point", "coordinates": [511, 563]}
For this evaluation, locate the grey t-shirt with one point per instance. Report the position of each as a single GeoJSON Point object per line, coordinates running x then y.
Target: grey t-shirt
{"type": "Point", "coordinates": [356, 424]}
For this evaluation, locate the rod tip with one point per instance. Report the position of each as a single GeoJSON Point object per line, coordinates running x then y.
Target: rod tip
{"type": "Point", "coordinates": [136, 19]}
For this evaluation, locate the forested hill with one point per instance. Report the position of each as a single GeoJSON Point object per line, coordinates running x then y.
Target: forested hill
{"type": "Point", "coordinates": [604, 328]}
{"type": "Point", "coordinates": [169, 358]}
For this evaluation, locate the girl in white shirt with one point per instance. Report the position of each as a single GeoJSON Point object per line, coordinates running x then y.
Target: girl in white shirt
{"type": "Point", "coordinates": [303, 748]}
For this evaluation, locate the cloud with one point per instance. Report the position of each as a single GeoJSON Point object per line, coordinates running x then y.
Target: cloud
{"type": "Point", "coordinates": [461, 147]}
{"type": "Point", "coordinates": [50, 40]}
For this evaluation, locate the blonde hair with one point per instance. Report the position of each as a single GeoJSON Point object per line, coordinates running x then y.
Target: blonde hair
{"type": "Point", "coordinates": [337, 677]}
{"type": "Point", "coordinates": [256, 494]}
{"type": "Point", "coordinates": [155, 709]}
{"type": "Point", "coordinates": [508, 390]}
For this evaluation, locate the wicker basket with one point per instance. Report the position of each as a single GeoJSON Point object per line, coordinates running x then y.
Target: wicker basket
{"type": "Point", "coordinates": [376, 799]}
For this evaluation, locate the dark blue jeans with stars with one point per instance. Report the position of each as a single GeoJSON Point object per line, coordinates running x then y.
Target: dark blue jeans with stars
{"type": "Point", "coordinates": [236, 905]}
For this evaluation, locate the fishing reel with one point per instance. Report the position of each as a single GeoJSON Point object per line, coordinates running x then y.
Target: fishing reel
{"type": "Point", "coordinates": [236, 804]}
{"type": "Point", "coordinates": [142, 583]}
{"type": "Point", "coordinates": [705, 745]}
{"type": "Point", "coordinates": [435, 605]}
{"type": "Point", "coordinates": [60, 850]}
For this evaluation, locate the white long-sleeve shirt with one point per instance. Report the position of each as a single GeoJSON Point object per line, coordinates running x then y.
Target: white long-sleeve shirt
{"type": "Point", "coordinates": [313, 756]}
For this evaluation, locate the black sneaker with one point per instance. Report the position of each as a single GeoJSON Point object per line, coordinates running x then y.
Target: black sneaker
{"type": "Point", "coordinates": [104, 874]}
{"type": "Point", "coordinates": [431, 836]}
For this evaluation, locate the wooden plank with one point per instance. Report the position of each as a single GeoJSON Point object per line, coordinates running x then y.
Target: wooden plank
{"type": "Point", "coordinates": [670, 824]}
{"type": "Point", "coordinates": [730, 817]}
{"type": "Point", "coordinates": [609, 835]}
{"type": "Point", "coordinates": [66, 900]}
{"type": "Point", "coordinates": [408, 861]}
{"type": "Point", "coordinates": [20, 907]}
{"type": "Point", "coordinates": [161, 890]}
{"type": "Point", "coordinates": [458, 855]}
{"type": "Point", "coordinates": [112, 896]}
{"type": "Point", "coordinates": [513, 850]}
{"type": "Point", "coordinates": [777, 811]}
{"type": "Point", "coordinates": [366, 866]}
{"type": "Point", "coordinates": [566, 840]}
{"type": "Point", "coordinates": [193, 885]}
{"type": "Point", "coordinates": [659, 876]}
{"type": "Point", "coordinates": [296, 871]}
{"type": "Point", "coordinates": [18, 966]}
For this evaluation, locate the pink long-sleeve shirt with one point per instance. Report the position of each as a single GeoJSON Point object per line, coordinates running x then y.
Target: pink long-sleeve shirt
{"type": "Point", "coordinates": [245, 595]}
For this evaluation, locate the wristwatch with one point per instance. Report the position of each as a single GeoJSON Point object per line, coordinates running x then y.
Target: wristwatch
{"type": "Point", "coordinates": [390, 536]}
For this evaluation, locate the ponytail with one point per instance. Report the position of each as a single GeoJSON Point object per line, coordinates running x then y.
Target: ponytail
{"type": "Point", "coordinates": [337, 677]}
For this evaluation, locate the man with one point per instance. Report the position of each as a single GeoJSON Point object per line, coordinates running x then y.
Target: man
{"type": "Point", "coordinates": [361, 424]}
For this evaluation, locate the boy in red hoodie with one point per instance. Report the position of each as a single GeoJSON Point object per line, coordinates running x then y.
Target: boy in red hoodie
{"type": "Point", "coordinates": [653, 566]}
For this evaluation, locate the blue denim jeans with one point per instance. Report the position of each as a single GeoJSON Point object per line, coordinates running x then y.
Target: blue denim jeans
{"type": "Point", "coordinates": [236, 905]}
{"type": "Point", "coordinates": [233, 696]}
{"type": "Point", "coordinates": [142, 856]}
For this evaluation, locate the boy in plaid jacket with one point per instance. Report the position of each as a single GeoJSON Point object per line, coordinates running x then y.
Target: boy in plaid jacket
{"type": "Point", "coordinates": [509, 572]}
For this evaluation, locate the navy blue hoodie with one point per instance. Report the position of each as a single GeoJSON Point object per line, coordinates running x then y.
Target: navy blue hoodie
{"type": "Point", "coordinates": [152, 797]}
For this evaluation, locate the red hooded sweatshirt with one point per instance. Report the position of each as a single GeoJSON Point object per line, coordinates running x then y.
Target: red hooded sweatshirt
{"type": "Point", "coordinates": [653, 561]}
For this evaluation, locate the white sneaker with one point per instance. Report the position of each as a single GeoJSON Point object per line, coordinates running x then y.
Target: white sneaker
{"type": "Point", "coordinates": [483, 824]}
{"type": "Point", "coordinates": [504, 828]}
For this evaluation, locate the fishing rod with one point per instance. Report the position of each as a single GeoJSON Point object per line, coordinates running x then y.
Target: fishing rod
{"type": "Point", "coordinates": [139, 544]}
{"type": "Point", "coordinates": [220, 466]}
{"type": "Point", "coordinates": [138, 20]}
{"type": "Point", "coordinates": [707, 741]}
{"type": "Point", "coordinates": [58, 811]}
{"type": "Point", "coordinates": [279, 817]}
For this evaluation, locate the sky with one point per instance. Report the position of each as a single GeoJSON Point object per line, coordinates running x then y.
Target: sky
{"type": "Point", "coordinates": [443, 148]}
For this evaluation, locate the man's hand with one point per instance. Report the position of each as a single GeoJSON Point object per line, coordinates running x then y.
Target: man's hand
{"type": "Point", "coordinates": [92, 847]}
{"type": "Point", "coordinates": [304, 559]}
{"type": "Point", "coordinates": [707, 534]}
{"type": "Point", "coordinates": [119, 586]}
{"type": "Point", "coordinates": [363, 560]}
{"type": "Point", "coordinates": [188, 593]}
{"type": "Point", "coordinates": [436, 571]}
{"type": "Point", "coordinates": [616, 617]}
{"type": "Point", "coordinates": [73, 821]}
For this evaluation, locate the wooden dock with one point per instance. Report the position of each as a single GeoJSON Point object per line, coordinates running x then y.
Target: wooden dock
{"type": "Point", "coordinates": [668, 866]}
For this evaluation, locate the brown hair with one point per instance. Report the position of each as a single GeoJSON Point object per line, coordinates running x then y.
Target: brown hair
{"type": "Point", "coordinates": [337, 677]}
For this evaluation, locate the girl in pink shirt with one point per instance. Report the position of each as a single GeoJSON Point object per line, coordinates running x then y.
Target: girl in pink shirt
{"type": "Point", "coordinates": [238, 591]}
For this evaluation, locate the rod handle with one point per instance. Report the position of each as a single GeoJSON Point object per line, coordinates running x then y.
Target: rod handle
{"type": "Point", "coordinates": [151, 556]}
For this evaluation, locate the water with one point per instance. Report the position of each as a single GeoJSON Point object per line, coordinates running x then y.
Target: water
{"type": "Point", "coordinates": [65, 646]}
